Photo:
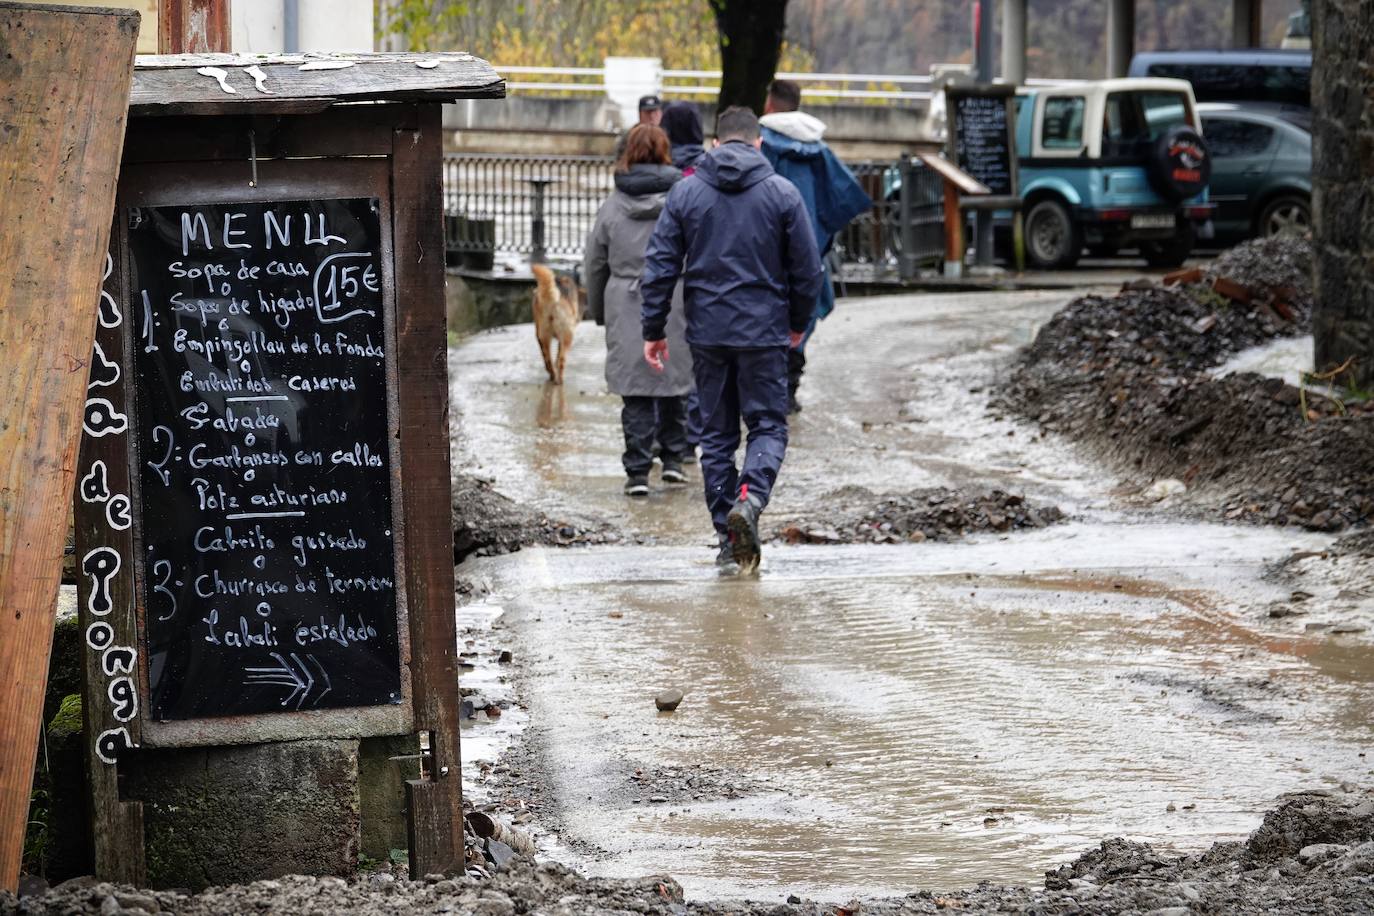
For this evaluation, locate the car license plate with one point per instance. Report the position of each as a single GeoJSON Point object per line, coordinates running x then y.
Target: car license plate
{"type": "Point", "coordinates": [1152, 221]}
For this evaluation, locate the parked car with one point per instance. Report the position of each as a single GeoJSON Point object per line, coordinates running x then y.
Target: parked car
{"type": "Point", "coordinates": [1245, 76]}
{"type": "Point", "coordinates": [1261, 171]}
{"type": "Point", "coordinates": [1109, 164]}
{"type": "Point", "coordinates": [1112, 164]}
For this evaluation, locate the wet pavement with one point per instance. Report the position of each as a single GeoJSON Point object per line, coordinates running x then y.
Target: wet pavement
{"type": "Point", "coordinates": [894, 399]}
{"type": "Point", "coordinates": [872, 719]}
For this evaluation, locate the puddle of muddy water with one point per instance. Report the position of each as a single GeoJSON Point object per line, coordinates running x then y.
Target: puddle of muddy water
{"type": "Point", "coordinates": [926, 716]}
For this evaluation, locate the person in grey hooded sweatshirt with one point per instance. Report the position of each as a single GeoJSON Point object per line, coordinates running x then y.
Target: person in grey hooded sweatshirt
{"type": "Point", "coordinates": [654, 403]}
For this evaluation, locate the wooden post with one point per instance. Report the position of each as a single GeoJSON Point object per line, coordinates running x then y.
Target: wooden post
{"type": "Point", "coordinates": [64, 98]}
{"type": "Point", "coordinates": [435, 800]}
{"type": "Point", "coordinates": [954, 232]}
{"type": "Point", "coordinates": [193, 26]}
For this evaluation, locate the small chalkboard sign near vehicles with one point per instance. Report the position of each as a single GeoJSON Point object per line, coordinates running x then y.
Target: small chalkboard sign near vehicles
{"type": "Point", "coordinates": [982, 138]}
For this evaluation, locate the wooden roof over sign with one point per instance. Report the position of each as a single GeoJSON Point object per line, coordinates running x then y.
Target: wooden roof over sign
{"type": "Point", "coordinates": [168, 84]}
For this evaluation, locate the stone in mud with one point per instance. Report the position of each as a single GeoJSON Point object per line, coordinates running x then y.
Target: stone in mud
{"type": "Point", "coordinates": [668, 700]}
{"type": "Point", "coordinates": [1308, 818]}
{"type": "Point", "coordinates": [1320, 852]}
{"type": "Point", "coordinates": [499, 853]}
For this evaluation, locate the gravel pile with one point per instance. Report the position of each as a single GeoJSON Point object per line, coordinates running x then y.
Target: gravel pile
{"type": "Point", "coordinates": [1313, 854]}
{"type": "Point", "coordinates": [858, 516]}
{"type": "Point", "coordinates": [488, 523]}
{"type": "Point", "coordinates": [1127, 375]}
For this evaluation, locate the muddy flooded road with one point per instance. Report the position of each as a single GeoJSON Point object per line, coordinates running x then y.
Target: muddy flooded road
{"type": "Point", "coordinates": [864, 720]}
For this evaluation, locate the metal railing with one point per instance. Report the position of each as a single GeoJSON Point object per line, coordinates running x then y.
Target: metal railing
{"type": "Point", "coordinates": [545, 206]}
{"type": "Point", "coordinates": [866, 86]}
{"type": "Point", "coordinates": [523, 204]}
{"type": "Point", "coordinates": [828, 86]}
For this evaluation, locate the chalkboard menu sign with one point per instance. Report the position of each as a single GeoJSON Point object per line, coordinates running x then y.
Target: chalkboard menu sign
{"type": "Point", "coordinates": [982, 137]}
{"type": "Point", "coordinates": [265, 485]}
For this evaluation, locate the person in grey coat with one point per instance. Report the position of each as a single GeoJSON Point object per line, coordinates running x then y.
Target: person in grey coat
{"type": "Point", "coordinates": [654, 403]}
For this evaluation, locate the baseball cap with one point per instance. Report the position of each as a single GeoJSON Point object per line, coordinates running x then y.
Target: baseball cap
{"type": "Point", "coordinates": [650, 103]}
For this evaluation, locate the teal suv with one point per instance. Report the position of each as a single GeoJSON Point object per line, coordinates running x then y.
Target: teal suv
{"type": "Point", "coordinates": [1112, 164]}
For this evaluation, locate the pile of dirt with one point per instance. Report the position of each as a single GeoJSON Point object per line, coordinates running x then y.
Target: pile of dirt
{"type": "Point", "coordinates": [1128, 376]}
{"type": "Point", "coordinates": [1313, 854]}
{"type": "Point", "coordinates": [487, 523]}
{"type": "Point", "coordinates": [858, 516]}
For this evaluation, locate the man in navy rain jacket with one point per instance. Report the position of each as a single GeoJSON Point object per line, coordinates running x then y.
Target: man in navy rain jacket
{"type": "Point", "coordinates": [740, 239]}
{"type": "Point", "coordinates": [792, 142]}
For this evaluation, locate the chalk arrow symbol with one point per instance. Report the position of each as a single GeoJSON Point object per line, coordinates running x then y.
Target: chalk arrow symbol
{"type": "Point", "coordinates": [285, 674]}
{"type": "Point", "coordinates": [328, 684]}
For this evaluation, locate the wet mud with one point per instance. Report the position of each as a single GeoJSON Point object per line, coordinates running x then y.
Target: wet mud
{"type": "Point", "coordinates": [1129, 376]}
{"type": "Point", "coordinates": [881, 711]}
{"type": "Point", "coordinates": [486, 522]}
{"type": "Point", "coordinates": [1313, 854]}
{"type": "Point", "coordinates": [856, 515]}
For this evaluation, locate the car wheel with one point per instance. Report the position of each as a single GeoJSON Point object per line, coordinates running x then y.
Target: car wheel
{"type": "Point", "coordinates": [1286, 215]}
{"type": "Point", "coordinates": [1053, 240]}
{"type": "Point", "coordinates": [1171, 252]}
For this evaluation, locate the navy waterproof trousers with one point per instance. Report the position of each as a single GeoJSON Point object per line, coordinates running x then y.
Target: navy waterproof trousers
{"type": "Point", "coordinates": [649, 420]}
{"type": "Point", "coordinates": [735, 384]}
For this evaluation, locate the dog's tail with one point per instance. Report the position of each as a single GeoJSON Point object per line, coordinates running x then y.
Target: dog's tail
{"type": "Point", "coordinates": [548, 285]}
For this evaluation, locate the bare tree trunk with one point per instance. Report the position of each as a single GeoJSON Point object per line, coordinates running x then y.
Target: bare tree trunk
{"type": "Point", "coordinates": [1342, 160]}
{"type": "Point", "coordinates": [751, 34]}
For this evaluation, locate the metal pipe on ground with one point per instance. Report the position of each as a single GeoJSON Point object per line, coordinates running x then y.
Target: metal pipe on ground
{"type": "Point", "coordinates": [489, 828]}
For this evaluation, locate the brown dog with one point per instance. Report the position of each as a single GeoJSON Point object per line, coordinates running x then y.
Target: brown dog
{"type": "Point", "coordinates": [556, 313]}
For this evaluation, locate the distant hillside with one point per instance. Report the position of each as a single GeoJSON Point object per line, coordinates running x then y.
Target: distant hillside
{"type": "Point", "coordinates": [1066, 37]}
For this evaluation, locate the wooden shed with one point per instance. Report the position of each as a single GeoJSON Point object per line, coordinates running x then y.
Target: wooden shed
{"type": "Point", "coordinates": [245, 367]}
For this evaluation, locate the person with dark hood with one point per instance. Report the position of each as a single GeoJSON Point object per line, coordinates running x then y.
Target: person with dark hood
{"type": "Point", "coordinates": [792, 142]}
{"type": "Point", "coordinates": [654, 403]}
{"type": "Point", "coordinates": [683, 124]}
{"type": "Point", "coordinates": [739, 239]}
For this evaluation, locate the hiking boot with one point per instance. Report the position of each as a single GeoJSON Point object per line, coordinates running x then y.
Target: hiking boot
{"type": "Point", "coordinates": [637, 486]}
{"type": "Point", "coordinates": [743, 524]}
{"type": "Point", "coordinates": [725, 558]}
{"type": "Point", "coordinates": [672, 472]}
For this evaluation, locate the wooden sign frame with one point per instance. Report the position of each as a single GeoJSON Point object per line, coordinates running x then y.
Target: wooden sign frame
{"type": "Point", "coordinates": [389, 151]}
{"type": "Point", "coordinates": [985, 90]}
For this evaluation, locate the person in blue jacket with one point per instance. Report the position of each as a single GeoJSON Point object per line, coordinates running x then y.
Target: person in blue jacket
{"type": "Point", "coordinates": [792, 142]}
{"type": "Point", "coordinates": [740, 239]}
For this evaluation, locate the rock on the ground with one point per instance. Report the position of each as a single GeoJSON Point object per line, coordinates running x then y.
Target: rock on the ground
{"type": "Point", "coordinates": [668, 700]}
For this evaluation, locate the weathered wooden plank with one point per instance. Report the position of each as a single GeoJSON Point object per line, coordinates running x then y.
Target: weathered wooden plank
{"type": "Point", "coordinates": [64, 89]}
{"type": "Point", "coordinates": [106, 603]}
{"type": "Point", "coordinates": [953, 174]}
{"type": "Point", "coordinates": [418, 239]}
{"type": "Point", "coordinates": [173, 85]}
{"type": "Point", "coordinates": [193, 26]}
{"type": "Point", "coordinates": [353, 130]}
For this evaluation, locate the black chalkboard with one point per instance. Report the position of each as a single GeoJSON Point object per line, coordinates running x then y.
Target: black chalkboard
{"type": "Point", "coordinates": [265, 505]}
{"type": "Point", "coordinates": [983, 144]}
